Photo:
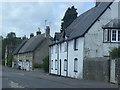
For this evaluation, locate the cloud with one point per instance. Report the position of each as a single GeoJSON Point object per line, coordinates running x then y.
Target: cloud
{"type": "Point", "coordinates": [24, 18]}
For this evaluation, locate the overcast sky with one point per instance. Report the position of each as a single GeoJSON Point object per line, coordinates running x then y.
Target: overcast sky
{"type": "Point", "coordinates": [24, 18]}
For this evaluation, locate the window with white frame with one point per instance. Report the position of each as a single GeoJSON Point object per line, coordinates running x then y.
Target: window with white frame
{"type": "Point", "coordinates": [55, 64]}
{"type": "Point", "coordinates": [115, 34]}
{"type": "Point", "coordinates": [111, 35]}
{"type": "Point", "coordinates": [75, 65]}
{"type": "Point", "coordinates": [106, 35]}
{"type": "Point", "coordinates": [52, 64]}
{"type": "Point", "coordinates": [65, 65]}
{"type": "Point", "coordinates": [75, 44]}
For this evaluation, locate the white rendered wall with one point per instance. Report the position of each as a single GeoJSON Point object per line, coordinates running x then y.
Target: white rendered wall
{"type": "Point", "coordinates": [75, 54]}
{"type": "Point", "coordinates": [94, 46]}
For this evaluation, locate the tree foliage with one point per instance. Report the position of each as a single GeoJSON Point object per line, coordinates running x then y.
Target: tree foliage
{"type": "Point", "coordinates": [10, 39]}
{"type": "Point", "coordinates": [115, 53]}
{"type": "Point", "coordinates": [69, 17]}
{"type": "Point", "coordinates": [46, 64]}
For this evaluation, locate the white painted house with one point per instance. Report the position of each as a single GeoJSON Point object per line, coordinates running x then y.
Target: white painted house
{"type": "Point", "coordinates": [91, 35]}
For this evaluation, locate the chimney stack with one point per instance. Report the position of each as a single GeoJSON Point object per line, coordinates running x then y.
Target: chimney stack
{"type": "Point", "coordinates": [38, 32]}
{"type": "Point", "coordinates": [98, 2]}
{"type": "Point", "coordinates": [47, 32]}
{"type": "Point", "coordinates": [24, 37]}
{"type": "Point", "coordinates": [31, 35]}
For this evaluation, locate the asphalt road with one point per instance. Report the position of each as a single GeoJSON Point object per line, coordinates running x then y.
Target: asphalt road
{"type": "Point", "coordinates": [18, 79]}
{"type": "Point", "coordinates": [12, 78]}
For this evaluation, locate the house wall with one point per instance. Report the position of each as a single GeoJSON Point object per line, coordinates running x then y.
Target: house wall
{"type": "Point", "coordinates": [58, 53]}
{"type": "Point", "coordinates": [62, 57]}
{"type": "Point", "coordinates": [53, 57]}
{"type": "Point", "coordinates": [72, 54]}
{"type": "Point", "coordinates": [24, 57]}
{"type": "Point", "coordinates": [42, 51]}
{"type": "Point", "coordinates": [94, 46]}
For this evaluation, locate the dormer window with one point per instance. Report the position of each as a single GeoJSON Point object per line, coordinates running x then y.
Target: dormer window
{"type": "Point", "coordinates": [111, 35]}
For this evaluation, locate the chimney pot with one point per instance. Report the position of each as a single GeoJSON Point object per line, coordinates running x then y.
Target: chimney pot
{"type": "Point", "coordinates": [38, 32]}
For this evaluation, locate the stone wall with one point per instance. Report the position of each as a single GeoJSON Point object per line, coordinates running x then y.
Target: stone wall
{"type": "Point", "coordinates": [96, 69]}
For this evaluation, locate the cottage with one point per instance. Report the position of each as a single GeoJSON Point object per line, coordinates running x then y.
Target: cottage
{"type": "Point", "coordinates": [16, 55]}
{"type": "Point", "coordinates": [34, 50]}
{"type": "Point", "coordinates": [88, 37]}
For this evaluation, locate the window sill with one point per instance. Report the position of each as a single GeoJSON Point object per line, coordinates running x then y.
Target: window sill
{"type": "Point", "coordinates": [65, 70]}
{"type": "Point", "coordinates": [75, 71]}
{"type": "Point", "coordinates": [75, 49]}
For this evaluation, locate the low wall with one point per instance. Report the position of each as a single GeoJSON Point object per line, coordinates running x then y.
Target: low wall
{"type": "Point", "coordinates": [96, 69]}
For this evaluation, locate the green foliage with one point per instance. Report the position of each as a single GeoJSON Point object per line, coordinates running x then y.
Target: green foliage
{"type": "Point", "coordinates": [3, 62]}
{"type": "Point", "coordinates": [9, 59]}
{"type": "Point", "coordinates": [69, 17]}
{"type": "Point", "coordinates": [115, 53]}
{"type": "Point", "coordinates": [10, 39]}
{"type": "Point", "coordinates": [38, 65]}
{"type": "Point", "coordinates": [46, 64]}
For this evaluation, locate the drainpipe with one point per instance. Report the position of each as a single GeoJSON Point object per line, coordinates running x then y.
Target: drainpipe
{"type": "Point", "coordinates": [58, 60]}
{"type": "Point", "coordinates": [49, 60]}
{"type": "Point", "coordinates": [67, 59]}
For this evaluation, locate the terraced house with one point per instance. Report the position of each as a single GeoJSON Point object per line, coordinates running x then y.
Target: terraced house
{"type": "Point", "coordinates": [91, 36]}
{"type": "Point", "coordinates": [33, 51]}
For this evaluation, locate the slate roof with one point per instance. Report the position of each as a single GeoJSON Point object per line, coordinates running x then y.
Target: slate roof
{"type": "Point", "coordinates": [80, 26]}
{"type": "Point", "coordinates": [57, 36]}
{"type": "Point", "coordinates": [32, 43]}
{"type": "Point", "coordinates": [85, 21]}
{"type": "Point", "coordinates": [19, 46]}
{"type": "Point", "coordinates": [114, 24]}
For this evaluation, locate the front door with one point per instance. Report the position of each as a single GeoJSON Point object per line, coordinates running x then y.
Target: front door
{"type": "Point", "coordinates": [60, 67]}
{"type": "Point", "coordinates": [27, 65]}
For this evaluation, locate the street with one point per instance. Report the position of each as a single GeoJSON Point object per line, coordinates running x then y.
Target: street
{"type": "Point", "coordinates": [12, 78]}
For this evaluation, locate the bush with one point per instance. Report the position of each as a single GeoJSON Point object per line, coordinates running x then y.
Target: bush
{"type": "Point", "coordinates": [38, 65]}
{"type": "Point", "coordinates": [115, 53]}
{"type": "Point", "coordinates": [9, 59]}
{"type": "Point", "coordinates": [46, 64]}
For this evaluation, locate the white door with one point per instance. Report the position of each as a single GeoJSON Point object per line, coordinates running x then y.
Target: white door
{"type": "Point", "coordinates": [112, 71]}
{"type": "Point", "coordinates": [20, 64]}
{"type": "Point", "coordinates": [27, 65]}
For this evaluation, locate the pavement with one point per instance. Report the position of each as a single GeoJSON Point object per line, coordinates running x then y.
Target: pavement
{"type": "Point", "coordinates": [79, 83]}
{"type": "Point", "coordinates": [39, 75]}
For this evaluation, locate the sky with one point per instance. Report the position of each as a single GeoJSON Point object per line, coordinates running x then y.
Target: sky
{"type": "Point", "coordinates": [24, 18]}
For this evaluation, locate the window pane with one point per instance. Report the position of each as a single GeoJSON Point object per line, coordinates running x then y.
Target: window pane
{"type": "Point", "coordinates": [114, 35]}
{"type": "Point", "coordinates": [56, 64]}
{"type": "Point", "coordinates": [65, 65]}
{"type": "Point", "coordinates": [118, 35]}
{"type": "Point", "coordinates": [75, 64]}
{"type": "Point", "coordinates": [52, 64]}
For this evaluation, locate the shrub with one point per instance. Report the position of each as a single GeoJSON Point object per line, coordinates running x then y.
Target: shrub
{"type": "Point", "coordinates": [115, 53]}
{"type": "Point", "coordinates": [36, 65]}
{"type": "Point", "coordinates": [3, 62]}
{"type": "Point", "coordinates": [9, 59]}
{"type": "Point", "coordinates": [46, 64]}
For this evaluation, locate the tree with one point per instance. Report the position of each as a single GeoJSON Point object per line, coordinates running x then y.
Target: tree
{"type": "Point", "coordinates": [69, 17]}
{"type": "Point", "coordinates": [11, 38]}
{"type": "Point", "coordinates": [46, 64]}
